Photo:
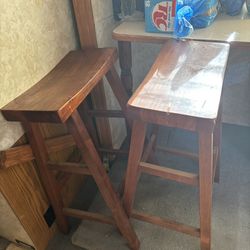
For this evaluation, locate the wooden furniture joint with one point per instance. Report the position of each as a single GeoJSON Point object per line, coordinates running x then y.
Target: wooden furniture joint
{"type": "Point", "coordinates": [181, 90]}
{"type": "Point", "coordinates": [23, 153]}
{"type": "Point", "coordinates": [60, 98]}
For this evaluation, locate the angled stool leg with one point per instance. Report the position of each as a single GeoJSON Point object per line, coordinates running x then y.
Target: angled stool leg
{"type": "Point", "coordinates": [206, 182]}
{"type": "Point", "coordinates": [91, 158]}
{"type": "Point", "coordinates": [152, 158]}
{"type": "Point", "coordinates": [148, 154]}
{"type": "Point", "coordinates": [119, 92]}
{"type": "Point", "coordinates": [125, 59]}
{"type": "Point", "coordinates": [135, 154]}
{"type": "Point", "coordinates": [122, 97]}
{"type": "Point", "coordinates": [41, 155]}
{"type": "Point", "coordinates": [88, 121]}
{"type": "Point", "coordinates": [217, 142]}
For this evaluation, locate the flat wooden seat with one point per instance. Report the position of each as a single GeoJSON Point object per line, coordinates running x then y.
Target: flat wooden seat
{"type": "Point", "coordinates": [60, 92]}
{"type": "Point", "coordinates": [185, 80]}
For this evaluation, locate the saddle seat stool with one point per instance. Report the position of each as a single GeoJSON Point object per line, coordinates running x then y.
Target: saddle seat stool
{"type": "Point", "coordinates": [60, 97]}
{"type": "Point", "coordinates": [181, 90]}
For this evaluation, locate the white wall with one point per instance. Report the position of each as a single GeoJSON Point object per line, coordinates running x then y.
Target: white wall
{"type": "Point", "coordinates": [34, 36]}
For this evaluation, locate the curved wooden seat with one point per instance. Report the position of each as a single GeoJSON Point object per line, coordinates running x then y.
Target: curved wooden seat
{"type": "Point", "coordinates": [61, 97]}
{"type": "Point", "coordinates": [60, 92]}
{"type": "Point", "coordinates": [184, 84]}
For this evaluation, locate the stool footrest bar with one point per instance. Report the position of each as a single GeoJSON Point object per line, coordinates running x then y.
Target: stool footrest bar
{"type": "Point", "coordinates": [169, 173]}
{"type": "Point", "coordinates": [23, 153]}
{"type": "Point", "coordinates": [88, 216]}
{"type": "Point", "coordinates": [178, 152]}
{"type": "Point", "coordinates": [113, 151]}
{"type": "Point", "coordinates": [166, 223]}
{"type": "Point", "coordinates": [106, 113]}
{"type": "Point", "coordinates": [62, 178]}
{"type": "Point", "coordinates": [69, 167]}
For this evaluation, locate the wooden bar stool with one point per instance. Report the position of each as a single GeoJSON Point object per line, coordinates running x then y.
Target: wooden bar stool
{"type": "Point", "coordinates": [57, 98]}
{"type": "Point", "coordinates": [182, 90]}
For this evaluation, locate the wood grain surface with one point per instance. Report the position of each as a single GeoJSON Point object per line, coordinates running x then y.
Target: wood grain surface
{"type": "Point", "coordinates": [22, 189]}
{"type": "Point", "coordinates": [23, 153]}
{"type": "Point", "coordinates": [73, 78]}
{"type": "Point", "coordinates": [190, 84]}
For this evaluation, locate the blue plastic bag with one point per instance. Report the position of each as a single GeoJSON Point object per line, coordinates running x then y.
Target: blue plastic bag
{"type": "Point", "coordinates": [192, 14]}
{"type": "Point", "coordinates": [232, 7]}
{"type": "Point", "coordinates": [183, 27]}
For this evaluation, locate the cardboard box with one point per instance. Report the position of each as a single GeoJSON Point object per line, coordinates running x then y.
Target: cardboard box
{"type": "Point", "coordinates": [159, 15]}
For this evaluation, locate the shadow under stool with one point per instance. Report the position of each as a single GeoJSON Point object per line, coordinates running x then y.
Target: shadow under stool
{"type": "Point", "coordinates": [60, 97]}
{"type": "Point", "coordinates": [181, 90]}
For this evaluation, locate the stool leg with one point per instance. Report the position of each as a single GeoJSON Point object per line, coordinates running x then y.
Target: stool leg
{"type": "Point", "coordinates": [205, 182]}
{"type": "Point", "coordinates": [217, 143]}
{"type": "Point", "coordinates": [88, 121]}
{"type": "Point", "coordinates": [125, 59]}
{"type": "Point", "coordinates": [147, 155]}
{"type": "Point", "coordinates": [40, 152]}
{"type": "Point", "coordinates": [119, 92]}
{"type": "Point", "coordinates": [152, 157]}
{"type": "Point", "coordinates": [91, 158]}
{"type": "Point", "coordinates": [135, 154]}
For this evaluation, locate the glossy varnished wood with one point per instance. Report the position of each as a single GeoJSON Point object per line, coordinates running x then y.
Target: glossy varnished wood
{"type": "Point", "coordinates": [182, 81]}
{"type": "Point", "coordinates": [183, 90]}
{"type": "Point", "coordinates": [61, 96]}
{"type": "Point", "coordinates": [54, 98]}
